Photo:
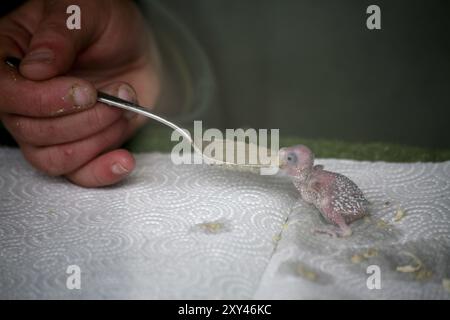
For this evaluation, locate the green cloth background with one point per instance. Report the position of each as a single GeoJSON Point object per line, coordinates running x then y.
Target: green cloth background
{"type": "Point", "coordinates": [312, 68]}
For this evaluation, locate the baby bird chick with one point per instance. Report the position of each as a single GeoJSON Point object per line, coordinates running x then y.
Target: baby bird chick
{"type": "Point", "coordinates": [338, 199]}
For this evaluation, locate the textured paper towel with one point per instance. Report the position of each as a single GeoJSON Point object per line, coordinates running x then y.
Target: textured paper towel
{"type": "Point", "coordinates": [139, 239]}
{"type": "Point", "coordinates": [195, 231]}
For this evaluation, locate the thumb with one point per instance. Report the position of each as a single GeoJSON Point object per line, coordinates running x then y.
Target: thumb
{"type": "Point", "coordinates": [54, 47]}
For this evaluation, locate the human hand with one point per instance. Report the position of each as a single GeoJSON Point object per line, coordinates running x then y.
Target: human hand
{"type": "Point", "coordinates": [49, 105]}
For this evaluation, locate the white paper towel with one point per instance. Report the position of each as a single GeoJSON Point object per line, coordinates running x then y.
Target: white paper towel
{"type": "Point", "coordinates": [195, 231]}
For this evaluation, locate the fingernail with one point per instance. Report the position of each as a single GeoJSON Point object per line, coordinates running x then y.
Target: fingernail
{"type": "Point", "coordinates": [81, 96]}
{"type": "Point", "coordinates": [119, 169]}
{"type": "Point", "coordinates": [125, 92]}
{"type": "Point", "coordinates": [39, 56]}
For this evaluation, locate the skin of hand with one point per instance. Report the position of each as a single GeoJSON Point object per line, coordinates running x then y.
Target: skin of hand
{"type": "Point", "coordinates": [338, 199]}
{"type": "Point", "coordinates": [49, 104]}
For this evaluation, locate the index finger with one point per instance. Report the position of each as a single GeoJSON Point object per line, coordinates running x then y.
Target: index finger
{"type": "Point", "coordinates": [49, 98]}
{"type": "Point", "coordinates": [53, 97]}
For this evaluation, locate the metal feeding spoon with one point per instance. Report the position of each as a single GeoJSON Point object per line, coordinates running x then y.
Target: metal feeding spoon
{"type": "Point", "coordinates": [120, 103]}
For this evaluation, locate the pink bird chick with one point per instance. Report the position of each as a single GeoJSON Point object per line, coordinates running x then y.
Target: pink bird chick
{"type": "Point", "coordinates": [338, 199]}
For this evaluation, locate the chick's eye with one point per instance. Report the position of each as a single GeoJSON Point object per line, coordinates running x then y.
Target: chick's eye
{"type": "Point", "coordinates": [291, 158]}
